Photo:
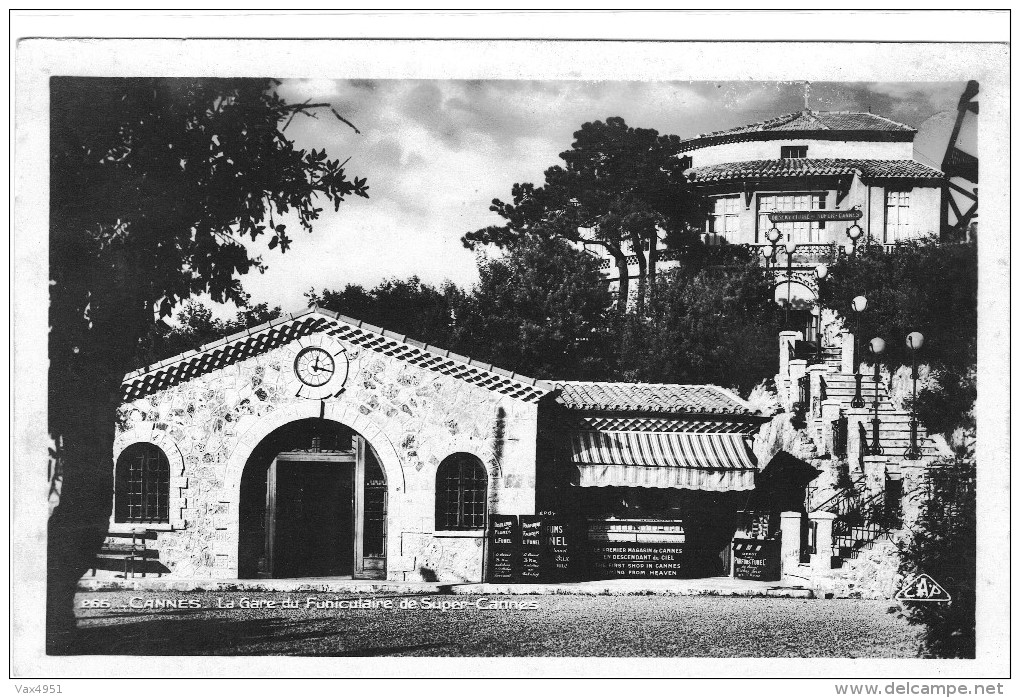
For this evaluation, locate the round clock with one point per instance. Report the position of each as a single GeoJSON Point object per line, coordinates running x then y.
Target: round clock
{"type": "Point", "coordinates": [314, 366]}
{"type": "Point", "coordinates": [320, 367]}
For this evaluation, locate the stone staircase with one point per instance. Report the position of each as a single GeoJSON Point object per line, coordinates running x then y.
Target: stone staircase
{"type": "Point", "coordinates": [818, 394]}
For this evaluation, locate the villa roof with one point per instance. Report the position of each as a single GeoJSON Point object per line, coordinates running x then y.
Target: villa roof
{"type": "Point", "coordinates": [801, 167]}
{"type": "Point", "coordinates": [819, 124]}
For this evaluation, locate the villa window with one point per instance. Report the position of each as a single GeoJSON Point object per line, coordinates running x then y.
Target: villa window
{"type": "Point", "coordinates": [723, 221]}
{"type": "Point", "coordinates": [897, 215]}
{"type": "Point", "coordinates": [803, 232]}
{"type": "Point", "coordinates": [792, 151]}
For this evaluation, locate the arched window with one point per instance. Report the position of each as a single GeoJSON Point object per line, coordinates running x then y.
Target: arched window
{"type": "Point", "coordinates": [142, 485]}
{"type": "Point", "coordinates": [461, 488]}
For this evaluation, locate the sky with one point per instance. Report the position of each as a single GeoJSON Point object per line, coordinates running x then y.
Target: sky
{"type": "Point", "coordinates": [436, 153]}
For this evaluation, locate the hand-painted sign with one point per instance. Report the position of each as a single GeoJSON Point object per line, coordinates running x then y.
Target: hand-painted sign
{"type": "Point", "coordinates": [505, 544]}
{"type": "Point", "coordinates": [852, 214]}
{"type": "Point", "coordinates": [559, 544]}
{"type": "Point", "coordinates": [532, 554]}
{"type": "Point", "coordinates": [640, 548]}
{"type": "Point", "coordinates": [757, 559]}
{"type": "Point", "coordinates": [611, 560]}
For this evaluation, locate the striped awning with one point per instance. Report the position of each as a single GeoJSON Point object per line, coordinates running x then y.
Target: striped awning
{"type": "Point", "coordinates": [693, 461]}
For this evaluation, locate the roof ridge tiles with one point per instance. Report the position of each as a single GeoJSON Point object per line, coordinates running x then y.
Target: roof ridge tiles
{"type": "Point", "coordinates": [440, 352]}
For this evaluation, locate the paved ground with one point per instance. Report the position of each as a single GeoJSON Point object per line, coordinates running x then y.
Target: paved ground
{"type": "Point", "coordinates": [654, 626]}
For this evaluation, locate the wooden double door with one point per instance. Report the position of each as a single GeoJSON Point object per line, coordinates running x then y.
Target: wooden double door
{"type": "Point", "coordinates": [326, 515]}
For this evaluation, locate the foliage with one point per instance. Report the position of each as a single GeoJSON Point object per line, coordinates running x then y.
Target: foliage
{"type": "Point", "coordinates": [195, 326]}
{"type": "Point", "coordinates": [420, 311]}
{"type": "Point", "coordinates": [949, 404]}
{"type": "Point", "coordinates": [922, 286]}
{"type": "Point", "coordinates": [706, 324]}
{"type": "Point", "coordinates": [943, 545]}
{"type": "Point", "coordinates": [541, 309]}
{"type": "Point", "coordinates": [154, 185]}
{"type": "Point", "coordinates": [621, 189]}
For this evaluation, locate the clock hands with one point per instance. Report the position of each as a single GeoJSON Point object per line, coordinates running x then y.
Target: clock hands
{"type": "Point", "coordinates": [315, 366]}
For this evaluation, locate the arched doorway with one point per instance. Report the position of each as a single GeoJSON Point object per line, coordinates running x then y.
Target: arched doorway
{"type": "Point", "coordinates": [803, 306]}
{"type": "Point", "coordinates": [312, 504]}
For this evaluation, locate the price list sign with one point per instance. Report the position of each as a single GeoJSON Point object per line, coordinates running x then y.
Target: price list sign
{"type": "Point", "coordinates": [531, 549]}
{"type": "Point", "coordinates": [505, 545]}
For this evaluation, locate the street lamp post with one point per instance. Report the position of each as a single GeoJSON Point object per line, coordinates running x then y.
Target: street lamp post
{"type": "Point", "coordinates": [769, 253]}
{"type": "Point", "coordinates": [790, 247]}
{"type": "Point", "coordinates": [854, 232]}
{"type": "Point", "coordinates": [914, 342]}
{"type": "Point", "coordinates": [877, 347]}
{"type": "Point", "coordinates": [773, 235]}
{"type": "Point", "coordinates": [860, 303]}
{"type": "Point", "coordinates": [821, 271]}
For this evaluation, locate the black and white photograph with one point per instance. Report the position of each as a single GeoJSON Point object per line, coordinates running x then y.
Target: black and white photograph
{"type": "Point", "coordinates": [660, 358]}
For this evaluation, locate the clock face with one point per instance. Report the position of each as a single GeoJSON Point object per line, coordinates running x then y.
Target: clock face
{"type": "Point", "coordinates": [314, 366]}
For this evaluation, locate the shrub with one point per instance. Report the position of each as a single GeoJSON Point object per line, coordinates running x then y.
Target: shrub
{"type": "Point", "coordinates": [943, 545]}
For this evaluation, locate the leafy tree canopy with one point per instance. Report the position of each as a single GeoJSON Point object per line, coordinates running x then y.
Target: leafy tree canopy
{"type": "Point", "coordinates": [707, 323]}
{"type": "Point", "coordinates": [620, 189]}
{"type": "Point", "coordinates": [924, 287]}
{"type": "Point", "coordinates": [419, 310]}
{"type": "Point", "coordinates": [541, 309]}
{"type": "Point", "coordinates": [195, 326]}
{"type": "Point", "coordinates": [160, 188]}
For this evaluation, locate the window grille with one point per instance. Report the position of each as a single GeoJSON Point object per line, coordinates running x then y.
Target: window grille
{"type": "Point", "coordinates": [792, 151]}
{"type": "Point", "coordinates": [142, 485]}
{"type": "Point", "coordinates": [461, 489]}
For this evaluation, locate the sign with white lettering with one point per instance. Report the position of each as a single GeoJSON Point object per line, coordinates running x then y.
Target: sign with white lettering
{"type": "Point", "coordinates": [852, 214]}
{"type": "Point", "coordinates": [559, 543]}
{"type": "Point", "coordinates": [532, 553]}
{"type": "Point", "coordinates": [757, 559]}
{"type": "Point", "coordinates": [612, 560]}
{"type": "Point", "coordinates": [504, 542]}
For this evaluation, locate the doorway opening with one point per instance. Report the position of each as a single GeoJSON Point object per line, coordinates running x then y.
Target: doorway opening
{"type": "Point", "coordinates": [313, 504]}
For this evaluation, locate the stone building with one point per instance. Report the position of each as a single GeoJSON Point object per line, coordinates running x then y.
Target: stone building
{"type": "Point", "coordinates": [317, 445]}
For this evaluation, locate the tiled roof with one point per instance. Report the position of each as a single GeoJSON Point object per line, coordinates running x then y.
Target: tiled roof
{"type": "Point", "coordinates": [649, 397]}
{"type": "Point", "coordinates": [276, 333]}
{"type": "Point", "coordinates": [807, 121]}
{"type": "Point", "coordinates": [799, 167]}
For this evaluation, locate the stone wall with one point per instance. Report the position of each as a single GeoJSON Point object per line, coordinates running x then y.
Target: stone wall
{"type": "Point", "coordinates": [413, 417]}
{"type": "Point", "coordinates": [874, 574]}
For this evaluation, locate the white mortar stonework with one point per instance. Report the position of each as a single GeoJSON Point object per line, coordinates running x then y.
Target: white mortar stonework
{"type": "Point", "coordinates": [414, 418]}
